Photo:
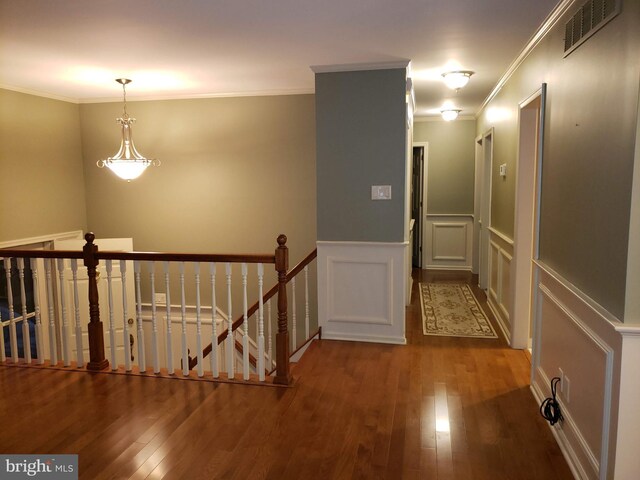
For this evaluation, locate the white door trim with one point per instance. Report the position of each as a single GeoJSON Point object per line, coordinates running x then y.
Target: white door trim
{"type": "Point", "coordinates": [527, 214]}
{"type": "Point", "coordinates": [423, 220]}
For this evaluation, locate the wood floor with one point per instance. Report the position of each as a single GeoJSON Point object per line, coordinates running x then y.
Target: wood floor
{"type": "Point", "coordinates": [437, 408]}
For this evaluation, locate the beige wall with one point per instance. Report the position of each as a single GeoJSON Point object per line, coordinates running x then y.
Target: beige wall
{"type": "Point", "coordinates": [41, 167]}
{"type": "Point", "coordinates": [235, 173]}
{"type": "Point", "coordinates": [588, 156]}
{"type": "Point", "coordinates": [451, 167]}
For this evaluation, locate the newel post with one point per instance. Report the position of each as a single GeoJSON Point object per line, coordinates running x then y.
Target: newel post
{"type": "Point", "coordinates": [97, 360]}
{"type": "Point", "coordinates": [282, 337]}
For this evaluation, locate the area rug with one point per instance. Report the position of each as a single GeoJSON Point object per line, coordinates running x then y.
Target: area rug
{"type": "Point", "coordinates": [451, 309]}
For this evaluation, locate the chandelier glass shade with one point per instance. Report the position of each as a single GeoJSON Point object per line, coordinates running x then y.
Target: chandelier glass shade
{"type": "Point", "coordinates": [127, 163]}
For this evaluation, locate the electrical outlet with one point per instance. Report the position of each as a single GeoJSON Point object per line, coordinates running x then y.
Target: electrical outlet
{"type": "Point", "coordinates": [566, 391]}
{"type": "Point", "coordinates": [161, 298]}
{"type": "Point", "coordinates": [561, 375]}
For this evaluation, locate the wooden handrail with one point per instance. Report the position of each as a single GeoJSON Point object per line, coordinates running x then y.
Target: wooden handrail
{"type": "Point", "coordinates": [142, 256]}
{"type": "Point", "coordinates": [254, 308]}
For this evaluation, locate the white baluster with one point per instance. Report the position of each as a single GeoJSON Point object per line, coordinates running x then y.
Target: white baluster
{"type": "Point", "coordinates": [53, 349]}
{"type": "Point", "coordinates": [13, 336]}
{"type": "Point", "coordinates": [294, 321]}
{"type": "Point", "coordinates": [167, 285]}
{"type": "Point", "coordinates": [200, 366]}
{"type": "Point", "coordinates": [36, 303]}
{"type": "Point", "coordinates": [76, 309]}
{"type": "Point", "coordinates": [154, 323]}
{"type": "Point", "coordinates": [230, 343]}
{"type": "Point", "coordinates": [269, 336]}
{"type": "Point", "coordinates": [183, 306]}
{"type": "Point", "coordinates": [125, 315]}
{"type": "Point", "coordinates": [26, 340]}
{"type": "Point", "coordinates": [260, 323]}
{"type": "Point", "coordinates": [112, 330]}
{"type": "Point", "coordinates": [306, 303]}
{"type": "Point", "coordinates": [142, 364]}
{"type": "Point", "coordinates": [215, 371]}
{"type": "Point", "coordinates": [245, 326]}
{"type": "Point", "coordinates": [65, 325]}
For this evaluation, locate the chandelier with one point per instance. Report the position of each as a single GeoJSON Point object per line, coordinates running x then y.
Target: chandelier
{"type": "Point", "coordinates": [127, 163]}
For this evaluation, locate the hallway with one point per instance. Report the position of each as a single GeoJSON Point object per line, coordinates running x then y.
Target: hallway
{"type": "Point", "coordinates": [357, 410]}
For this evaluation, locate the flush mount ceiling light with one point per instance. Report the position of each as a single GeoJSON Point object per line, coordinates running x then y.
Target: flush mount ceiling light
{"type": "Point", "coordinates": [450, 114]}
{"type": "Point", "coordinates": [127, 163]}
{"type": "Point", "coordinates": [457, 79]}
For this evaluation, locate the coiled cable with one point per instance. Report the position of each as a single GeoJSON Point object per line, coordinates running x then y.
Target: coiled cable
{"type": "Point", "coordinates": [550, 408]}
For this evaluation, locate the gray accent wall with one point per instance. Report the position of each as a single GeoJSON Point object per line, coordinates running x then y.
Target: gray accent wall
{"type": "Point", "coordinates": [361, 125]}
{"type": "Point", "coordinates": [40, 166]}
{"type": "Point", "coordinates": [451, 164]}
{"type": "Point", "coordinates": [591, 117]}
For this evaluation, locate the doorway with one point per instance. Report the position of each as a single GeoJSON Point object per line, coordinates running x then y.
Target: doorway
{"type": "Point", "coordinates": [416, 205]}
{"type": "Point", "coordinates": [419, 202]}
{"type": "Point", "coordinates": [528, 181]}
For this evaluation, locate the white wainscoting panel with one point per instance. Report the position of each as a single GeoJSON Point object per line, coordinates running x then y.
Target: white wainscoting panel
{"type": "Point", "coordinates": [448, 242]}
{"type": "Point", "coordinates": [499, 289]}
{"type": "Point", "coordinates": [361, 291]}
{"type": "Point", "coordinates": [572, 335]}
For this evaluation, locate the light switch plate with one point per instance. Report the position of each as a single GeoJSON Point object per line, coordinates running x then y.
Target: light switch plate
{"type": "Point", "coordinates": [380, 192]}
{"type": "Point", "coordinates": [503, 170]}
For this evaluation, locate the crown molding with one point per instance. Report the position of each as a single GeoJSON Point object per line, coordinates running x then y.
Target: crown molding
{"type": "Point", "coordinates": [257, 93]}
{"type": "Point", "coordinates": [145, 98]}
{"type": "Point", "coordinates": [37, 93]}
{"type": "Point", "coordinates": [438, 118]}
{"type": "Point", "coordinates": [356, 67]}
{"type": "Point", "coordinates": [533, 42]}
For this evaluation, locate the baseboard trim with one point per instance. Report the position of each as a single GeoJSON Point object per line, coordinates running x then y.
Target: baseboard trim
{"type": "Point", "coordinates": [561, 439]}
{"type": "Point", "coordinates": [326, 335]}
{"type": "Point", "coordinates": [499, 320]}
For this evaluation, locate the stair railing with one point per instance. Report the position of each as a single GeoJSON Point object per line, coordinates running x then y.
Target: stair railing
{"type": "Point", "coordinates": [58, 305]}
{"type": "Point", "coordinates": [301, 268]}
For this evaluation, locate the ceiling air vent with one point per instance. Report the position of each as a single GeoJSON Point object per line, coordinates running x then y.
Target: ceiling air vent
{"type": "Point", "coordinates": [590, 17]}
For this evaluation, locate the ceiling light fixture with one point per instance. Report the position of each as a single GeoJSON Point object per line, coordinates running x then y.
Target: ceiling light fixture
{"type": "Point", "coordinates": [450, 114]}
{"type": "Point", "coordinates": [127, 163]}
{"type": "Point", "coordinates": [457, 79]}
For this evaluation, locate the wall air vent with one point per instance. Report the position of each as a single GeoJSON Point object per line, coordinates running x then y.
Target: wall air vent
{"type": "Point", "coordinates": [590, 17]}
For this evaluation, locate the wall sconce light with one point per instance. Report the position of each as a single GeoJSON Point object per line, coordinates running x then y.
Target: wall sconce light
{"type": "Point", "coordinates": [457, 79]}
{"type": "Point", "coordinates": [127, 163]}
{"type": "Point", "coordinates": [450, 114]}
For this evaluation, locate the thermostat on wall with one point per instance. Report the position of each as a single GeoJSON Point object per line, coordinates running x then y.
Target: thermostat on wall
{"type": "Point", "coordinates": [380, 192]}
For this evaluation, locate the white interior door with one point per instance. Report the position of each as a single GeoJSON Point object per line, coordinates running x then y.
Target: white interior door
{"type": "Point", "coordinates": [82, 309]}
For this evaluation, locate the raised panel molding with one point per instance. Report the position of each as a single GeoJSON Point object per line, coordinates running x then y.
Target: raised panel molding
{"type": "Point", "coordinates": [361, 291]}
{"type": "Point", "coordinates": [588, 360]}
{"type": "Point", "coordinates": [499, 288]}
{"type": "Point", "coordinates": [449, 241]}
{"type": "Point", "coordinates": [448, 246]}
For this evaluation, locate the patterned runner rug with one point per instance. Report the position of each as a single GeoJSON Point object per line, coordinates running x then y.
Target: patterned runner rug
{"type": "Point", "coordinates": [451, 309]}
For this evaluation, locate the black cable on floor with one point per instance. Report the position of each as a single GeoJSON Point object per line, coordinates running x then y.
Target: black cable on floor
{"type": "Point", "coordinates": [550, 408]}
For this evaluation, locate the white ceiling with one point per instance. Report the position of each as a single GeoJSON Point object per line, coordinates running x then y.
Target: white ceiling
{"type": "Point", "coordinates": [74, 49]}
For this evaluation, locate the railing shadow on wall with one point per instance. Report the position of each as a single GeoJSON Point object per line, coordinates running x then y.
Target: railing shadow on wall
{"type": "Point", "coordinates": [148, 345]}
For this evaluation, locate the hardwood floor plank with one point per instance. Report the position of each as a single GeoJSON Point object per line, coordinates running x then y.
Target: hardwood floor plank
{"type": "Point", "coordinates": [358, 410]}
